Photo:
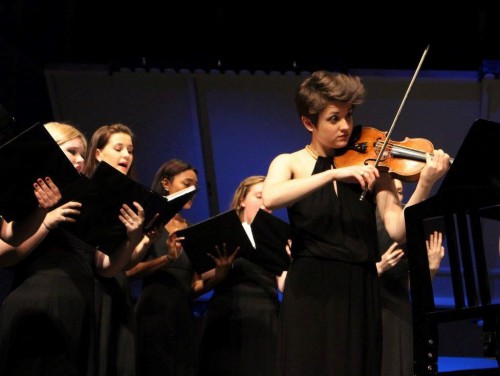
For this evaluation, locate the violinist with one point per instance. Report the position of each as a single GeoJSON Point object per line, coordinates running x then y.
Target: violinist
{"type": "Point", "coordinates": [331, 318]}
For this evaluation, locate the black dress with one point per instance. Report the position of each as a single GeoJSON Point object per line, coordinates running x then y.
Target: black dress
{"type": "Point", "coordinates": [165, 319]}
{"type": "Point", "coordinates": [116, 326]}
{"type": "Point", "coordinates": [330, 312]}
{"type": "Point", "coordinates": [397, 350]}
{"type": "Point", "coordinates": [241, 324]}
{"type": "Point", "coordinates": [47, 324]}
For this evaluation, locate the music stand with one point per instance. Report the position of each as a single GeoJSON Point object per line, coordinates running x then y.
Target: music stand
{"type": "Point", "coordinates": [469, 192]}
{"type": "Point", "coordinates": [475, 163]}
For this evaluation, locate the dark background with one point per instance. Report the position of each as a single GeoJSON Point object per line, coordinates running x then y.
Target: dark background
{"type": "Point", "coordinates": [246, 35]}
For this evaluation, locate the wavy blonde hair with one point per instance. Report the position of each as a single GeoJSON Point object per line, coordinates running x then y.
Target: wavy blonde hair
{"type": "Point", "coordinates": [64, 132]}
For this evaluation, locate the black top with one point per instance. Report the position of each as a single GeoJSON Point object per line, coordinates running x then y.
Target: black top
{"type": "Point", "coordinates": [49, 323]}
{"type": "Point", "coordinates": [343, 229]}
{"type": "Point", "coordinates": [179, 272]}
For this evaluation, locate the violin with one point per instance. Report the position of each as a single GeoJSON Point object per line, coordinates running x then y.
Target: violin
{"type": "Point", "coordinates": [402, 159]}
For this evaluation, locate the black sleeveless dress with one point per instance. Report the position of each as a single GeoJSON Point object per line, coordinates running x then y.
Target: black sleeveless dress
{"type": "Point", "coordinates": [330, 312]}
{"type": "Point", "coordinates": [47, 322]}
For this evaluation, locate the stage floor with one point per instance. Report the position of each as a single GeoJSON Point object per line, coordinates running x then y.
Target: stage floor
{"type": "Point", "coordinates": [452, 363]}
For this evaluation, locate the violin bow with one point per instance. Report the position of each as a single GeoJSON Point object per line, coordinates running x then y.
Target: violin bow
{"type": "Point", "coordinates": [389, 132]}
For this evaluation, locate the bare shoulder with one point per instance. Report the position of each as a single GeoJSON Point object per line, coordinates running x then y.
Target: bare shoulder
{"type": "Point", "coordinates": [282, 158]}
{"type": "Point", "coordinates": [286, 158]}
{"type": "Point", "coordinates": [297, 164]}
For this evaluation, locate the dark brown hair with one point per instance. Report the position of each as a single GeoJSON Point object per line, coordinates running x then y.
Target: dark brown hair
{"type": "Point", "coordinates": [323, 88]}
{"type": "Point", "coordinates": [99, 140]}
{"type": "Point", "coordinates": [169, 170]}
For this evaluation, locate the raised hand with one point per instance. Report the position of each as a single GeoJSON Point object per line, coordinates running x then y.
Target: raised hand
{"type": "Point", "coordinates": [435, 251]}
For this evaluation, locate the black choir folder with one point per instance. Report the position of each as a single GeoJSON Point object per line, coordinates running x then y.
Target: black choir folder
{"type": "Point", "coordinates": [270, 233]}
{"type": "Point", "coordinates": [7, 124]}
{"type": "Point", "coordinates": [271, 236]}
{"type": "Point", "coordinates": [26, 157]}
{"type": "Point", "coordinates": [105, 193]}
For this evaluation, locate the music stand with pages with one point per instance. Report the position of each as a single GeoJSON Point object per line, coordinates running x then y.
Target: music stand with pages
{"type": "Point", "coordinates": [467, 199]}
{"type": "Point", "coordinates": [26, 157]}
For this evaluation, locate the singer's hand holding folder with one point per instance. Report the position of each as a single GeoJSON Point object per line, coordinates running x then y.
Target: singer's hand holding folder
{"type": "Point", "coordinates": [270, 234]}
{"type": "Point", "coordinates": [26, 157]}
{"type": "Point", "coordinates": [201, 238]}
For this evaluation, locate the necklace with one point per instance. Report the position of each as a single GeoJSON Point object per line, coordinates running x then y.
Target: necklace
{"type": "Point", "coordinates": [311, 152]}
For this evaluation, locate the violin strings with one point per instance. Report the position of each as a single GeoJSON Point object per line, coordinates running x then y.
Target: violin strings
{"type": "Point", "coordinates": [379, 144]}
